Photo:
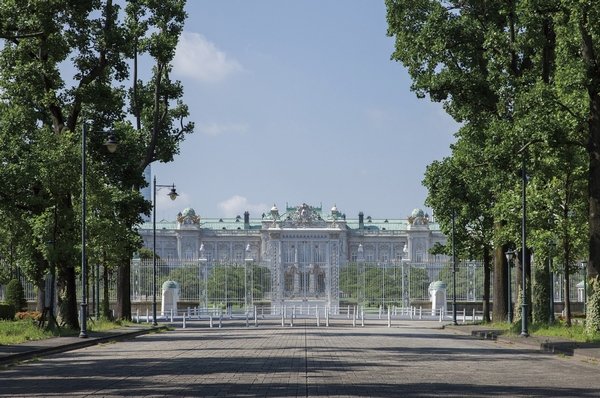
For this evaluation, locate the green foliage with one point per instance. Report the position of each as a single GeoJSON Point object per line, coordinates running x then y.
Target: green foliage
{"type": "Point", "coordinates": [188, 279]}
{"type": "Point", "coordinates": [15, 295]}
{"type": "Point", "coordinates": [7, 311]}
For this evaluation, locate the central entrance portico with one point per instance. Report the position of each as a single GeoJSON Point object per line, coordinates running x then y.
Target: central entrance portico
{"type": "Point", "coordinates": [304, 254]}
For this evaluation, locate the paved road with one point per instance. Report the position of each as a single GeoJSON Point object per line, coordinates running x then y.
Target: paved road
{"type": "Point", "coordinates": [409, 359]}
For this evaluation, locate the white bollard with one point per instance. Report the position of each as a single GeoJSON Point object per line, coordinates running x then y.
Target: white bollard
{"type": "Point", "coordinates": [327, 316]}
{"type": "Point", "coordinates": [220, 319]}
{"type": "Point", "coordinates": [420, 312]}
{"type": "Point", "coordinates": [255, 317]}
{"type": "Point", "coordinates": [211, 320]}
{"type": "Point", "coordinates": [411, 312]}
{"type": "Point", "coordinates": [473, 314]}
{"type": "Point", "coordinates": [246, 319]}
{"type": "Point", "coordinates": [137, 315]}
{"type": "Point", "coordinates": [292, 318]}
{"type": "Point", "coordinates": [171, 315]}
{"type": "Point", "coordinates": [362, 317]}
{"type": "Point", "coordinates": [348, 312]}
{"type": "Point", "coordinates": [189, 313]}
{"type": "Point", "coordinates": [147, 316]}
{"type": "Point", "coordinates": [389, 318]}
{"type": "Point", "coordinates": [184, 320]}
{"type": "Point", "coordinates": [380, 308]}
{"type": "Point", "coordinates": [282, 319]}
{"type": "Point", "coordinates": [441, 314]}
{"type": "Point", "coordinates": [318, 319]}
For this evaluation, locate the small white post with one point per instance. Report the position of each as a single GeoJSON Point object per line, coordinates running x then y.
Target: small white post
{"type": "Point", "coordinates": [420, 312]}
{"type": "Point", "coordinates": [221, 318]}
{"type": "Point", "coordinates": [411, 311]}
{"type": "Point", "coordinates": [362, 317]}
{"type": "Point", "coordinates": [171, 315]}
{"type": "Point", "coordinates": [318, 319]}
{"type": "Point", "coordinates": [147, 316]}
{"type": "Point", "coordinates": [137, 315]}
{"type": "Point", "coordinates": [282, 319]}
{"type": "Point", "coordinates": [255, 317]}
{"type": "Point", "coordinates": [189, 313]}
{"type": "Point", "coordinates": [184, 320]}
{"type": "Point", "coordinates": [473, 314]}
{"type": "Point", "coordinates": [441, 314]}
{"type": "Point", "coordinates": [389, 318]}
{"type": "Point", "coordinates": [211, 321]}
{"type": "Point", "coordinates": [348, 312]}
{"type": "Point", "coordinates": [380, 308]}
{"type": "Point", "coordinates": [246, 318]}
{"type": "Point", "coordinates": [354, 320]}
{"type": "Point", "coordinates": [327, 316]}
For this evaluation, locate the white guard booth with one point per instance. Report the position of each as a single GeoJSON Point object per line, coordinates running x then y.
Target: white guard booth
{"type": "Point", "coordinates": [170, 297]}
{"type": "Point", "coordinates": [437, 295]}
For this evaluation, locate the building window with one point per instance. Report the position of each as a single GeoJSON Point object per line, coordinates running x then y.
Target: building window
{"type": "Point", "coordinates": [354, 257]}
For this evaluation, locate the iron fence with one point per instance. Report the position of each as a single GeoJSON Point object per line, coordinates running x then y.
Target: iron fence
{"type": "Point", "coordinates": [240, 284]}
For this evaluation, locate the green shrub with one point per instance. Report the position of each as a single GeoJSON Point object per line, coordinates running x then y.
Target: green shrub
{"type": "Point", "coordinates": [7, 311]}
{"type": "Point", "coordinates": [15, 295]}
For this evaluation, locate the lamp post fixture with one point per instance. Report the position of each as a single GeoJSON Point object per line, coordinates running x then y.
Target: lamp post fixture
{"type": "Point", "coordinates": [453, 275]}
{"type": "Point", "coordinates": [173, 195]}
{"type": "Point", "coordinates": [584, 267]}
{"type": "Point", "coordinates": [509, 257]}
{"type": "Point", "coordinates": [111, 144]}
{"type": "Point", "coordinates": [552, 245]}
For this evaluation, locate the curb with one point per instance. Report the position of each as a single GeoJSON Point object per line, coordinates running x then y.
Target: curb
{"type": "Point", "coordinates": [83, 343]}
{"type": "Point", "coordinates": [584, 351]}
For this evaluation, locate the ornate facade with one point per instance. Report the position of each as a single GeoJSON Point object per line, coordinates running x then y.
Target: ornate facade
{"type": "Point", "coordinates": [303, 247]}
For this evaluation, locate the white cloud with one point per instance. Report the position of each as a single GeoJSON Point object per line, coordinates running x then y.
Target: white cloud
{"type": "Point", "coordinates": [200, 59]}
{"type": "Point", "coordinates": [216, 129]}
{"type": "Point", "coordinates": [237, 205]}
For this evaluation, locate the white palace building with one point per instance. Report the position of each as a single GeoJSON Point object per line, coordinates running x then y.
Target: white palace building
{"type": "Point", "coordinates": [304, 247]}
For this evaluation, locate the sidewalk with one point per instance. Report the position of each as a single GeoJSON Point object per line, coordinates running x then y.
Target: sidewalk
{"type": "Point", "coordinates": [551, 345]}
{"type": "Point", "coordinates": [38, 348]}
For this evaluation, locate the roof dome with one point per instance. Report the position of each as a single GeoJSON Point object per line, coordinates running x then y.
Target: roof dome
{"type": "Point", "coordinates": [188, 212]}
{"type": "Point", "coordinates": [418, 213]}
{"type": "Point", "coordinates": [170, 285]}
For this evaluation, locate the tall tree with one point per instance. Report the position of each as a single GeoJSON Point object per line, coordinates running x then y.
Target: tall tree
{"type": "Point", "coordinates": [46, 45]}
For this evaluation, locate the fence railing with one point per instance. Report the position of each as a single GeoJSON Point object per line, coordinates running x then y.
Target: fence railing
{"type": "Point", "coordinates": [240, 284]}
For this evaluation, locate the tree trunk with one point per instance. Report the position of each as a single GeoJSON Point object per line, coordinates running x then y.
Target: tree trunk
{"type": "Point", "coordinates": [593, 148]}
{"type": "Point", "coordinates": [566, 294]}
{"type": "Point", "coordinates": [486, 284]}
{"type": "Point", "coordinates": [124, 290]}
{"type": "Point", "coordinates": [68, 298]}
{"type": "Point", "coordinates": [500, 310]}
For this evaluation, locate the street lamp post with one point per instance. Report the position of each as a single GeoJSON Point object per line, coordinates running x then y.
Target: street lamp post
{"type": "Point", "coordinates": [524, 332]}
{"type": "Point", "coordinates": [453, 275]}
{"type": "Point", "coordinates": [509, 257]}
{"type": "Point", "coordinates": [173, 195]}
{"type": "Point", "coordinates": [584, 267]}
{"type": "Point", "coordinates": [111, 144]}
{"type": "Point", "coordinates": [551, 275]}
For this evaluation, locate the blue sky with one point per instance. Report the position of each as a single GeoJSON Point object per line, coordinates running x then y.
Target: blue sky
{"type": "Point", "coordinates": [298, 102]}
